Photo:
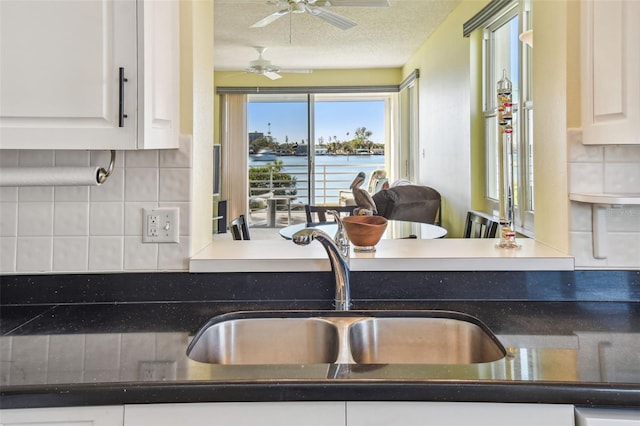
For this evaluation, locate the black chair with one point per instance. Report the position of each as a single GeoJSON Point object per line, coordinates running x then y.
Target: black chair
{"type": "Point", "coordinates": [321, 212]}
{"type": "Point", "coordinates": [239, 228]}
{"type": "Point", "coordinates": [480, 225]}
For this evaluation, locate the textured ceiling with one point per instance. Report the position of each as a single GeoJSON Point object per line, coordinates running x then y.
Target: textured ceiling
{"type": "Point", "coordinates": [384, 37]}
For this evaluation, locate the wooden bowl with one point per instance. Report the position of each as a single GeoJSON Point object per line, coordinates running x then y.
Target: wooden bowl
{"type": "Point", "coordinates": [364, 231]}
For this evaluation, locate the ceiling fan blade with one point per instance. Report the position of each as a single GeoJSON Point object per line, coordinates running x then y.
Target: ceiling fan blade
{"type": "Point", "coordinates": [332, 18]}
{"type": "Point", "coordinates": [355, 3]}
{"type": "Point", "coordinates": [272, 75]}
{"type": "Point", "coordinates": [269, 19]}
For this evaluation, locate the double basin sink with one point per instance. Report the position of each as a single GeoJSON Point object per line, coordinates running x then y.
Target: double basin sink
{"type": "Point", "coordinates": [345, 337]}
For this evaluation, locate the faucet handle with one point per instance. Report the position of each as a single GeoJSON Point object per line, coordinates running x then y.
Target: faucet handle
{"type": "Point", "coordinates": [341, 237]}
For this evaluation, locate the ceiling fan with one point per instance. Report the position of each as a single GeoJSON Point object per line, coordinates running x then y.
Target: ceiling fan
{"type": "Point", "coordinates": [263, 67]}
{"type": "Point", "coordinates": [317, 8]}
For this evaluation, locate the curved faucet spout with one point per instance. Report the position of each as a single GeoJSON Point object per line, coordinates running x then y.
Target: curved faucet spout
{"type": "Point", "coordinates": [339, 263]}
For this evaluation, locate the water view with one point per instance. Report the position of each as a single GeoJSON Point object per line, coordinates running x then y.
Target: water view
{"type": "Point", "coordinates": [333, 173]}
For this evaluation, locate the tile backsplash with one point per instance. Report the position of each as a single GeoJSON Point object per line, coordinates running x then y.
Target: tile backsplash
{"type": "Point", "coordinates": [613, 169]}
{"type": "Point", "coordinates": [66, 229]}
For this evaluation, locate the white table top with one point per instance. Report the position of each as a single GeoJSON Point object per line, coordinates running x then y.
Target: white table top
{"type": "Point", "coordinates": [395, 229]}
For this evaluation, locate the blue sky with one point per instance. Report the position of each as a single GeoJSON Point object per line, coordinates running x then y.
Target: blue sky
{"type": "Point", "coordinates": [333, 118]}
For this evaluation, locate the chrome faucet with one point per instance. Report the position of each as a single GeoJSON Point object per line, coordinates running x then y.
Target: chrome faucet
{"type": "Point", "coordinates": [341, 240]}
{"type": "Point", "coordinates": [339, 263]}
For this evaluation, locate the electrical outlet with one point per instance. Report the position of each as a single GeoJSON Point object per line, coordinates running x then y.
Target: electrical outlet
{"type": "Point", "coordinates": [154, 371]}
{"type": "Point", "coordinates": [161, 225]}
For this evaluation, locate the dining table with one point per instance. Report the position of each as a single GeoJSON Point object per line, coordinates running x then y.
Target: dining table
{"type": "Point", "coordinates": [395, 229]}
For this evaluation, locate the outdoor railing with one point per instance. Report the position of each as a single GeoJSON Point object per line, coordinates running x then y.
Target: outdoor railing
{"type": "Point", "coordinates": [329, 181]}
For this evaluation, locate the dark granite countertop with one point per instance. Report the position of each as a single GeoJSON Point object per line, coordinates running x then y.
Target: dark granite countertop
{"type": "Point", "coordinates": [576, 350]}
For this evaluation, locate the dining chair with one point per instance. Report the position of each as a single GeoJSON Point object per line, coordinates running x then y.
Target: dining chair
{"type": "Point", "coordinates": [239, 228]}
{"type": "Point", "coordinates": [479, 225]}
{"type": "Point", "coordinates": [413, 203]}
{"type": "Point", "coordinates": [321, 212]}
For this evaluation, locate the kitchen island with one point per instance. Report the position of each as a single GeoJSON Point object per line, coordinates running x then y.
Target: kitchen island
{"type": "Point", "coordinates": [572, 337]}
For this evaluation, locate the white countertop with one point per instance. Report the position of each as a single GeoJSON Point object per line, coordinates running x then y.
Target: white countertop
{"type": "Point", "coordinates": [448, 254]}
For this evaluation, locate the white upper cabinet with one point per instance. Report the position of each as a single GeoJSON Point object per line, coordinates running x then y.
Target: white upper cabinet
{"type": "Point", "coordinates": [610, 71]}
{"type": "Point", "coordinates": [89, 74]}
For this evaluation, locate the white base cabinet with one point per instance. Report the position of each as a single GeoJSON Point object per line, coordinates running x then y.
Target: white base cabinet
{"type": "Point", "coordinates": [457, 414]}
{"type": "Point", "coordinates": [89, 74]}
{"type": "Point", "coordinates": [311, 413]}
{"type": "Point", "coordinates": [607, 417]}
{"type": "Point", "coordinates": [64, 416]}
{"type": "Point", "coordinates": [237, 414]}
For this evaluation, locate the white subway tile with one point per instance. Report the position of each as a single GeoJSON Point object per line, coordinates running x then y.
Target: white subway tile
{"type": "Point", "coordinates": [621, 154]}
{"type": "Point", "coordinates": [71, 193]}
{"type": "Point", "coordinates": [105, 253]}
{"type": "Point", "coordinates": [586, 178]}
{"type": "Point", "coordinates": [143, 158]}
{"type": "Point", "coordinates": [106, 219]}
{"type": "Point", "coordinates": [8, 254]}
{"type": "Point", "coordinates": [582, 251]}
{"type": "Point", "coordinates": [70, 254]}
{"type": "Point", "coordinates": [112, 189]}
{"type": "Point", "coordinates": [8, 219]}
{"type": "Point", "coordinates": [71, 219]}
{"type": "Point", "coordinates": [142, 184]}
{"type": "Point", "coordinates": [71, 158]}
{"type": "Point", "coordinates": [580, 217]}
{"type": "Point", "coordinates": [9, 158]}
{"type": "Point", "coordinates": [175, 185]}
{"type": "Point", "coordinates": [623, 219]}
{"type": "Point", "coordinates": [36, 158]}
{"type": "Point", "coordinates": [35, 219]}
{"type": "Point", "coordinates": [35, 193]}
{"type": "Point", "coordinates": [623, 250]}
{"type": "Point", "coordinates": [9, 194]}
{"type": "Point", "coordinates": [174, 256]}
{"type": "Point", "coordinates": [178, 157]}
{"type": "Point", "coordinates": [139, 255]}
{"type": "Point", "coordinates": [621, 178]}
{"type": "Point", "coordinates": [579, 153]}
{"type": "Point", "coordinates": [34, 254]}
{"type": "Point", "coordinates": [133, 217]}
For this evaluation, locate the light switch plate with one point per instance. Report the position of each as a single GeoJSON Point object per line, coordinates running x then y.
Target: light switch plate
{"type": "Point", "coordinates": [161, 225]}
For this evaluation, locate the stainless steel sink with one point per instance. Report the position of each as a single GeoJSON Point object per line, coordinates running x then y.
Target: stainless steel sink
{"type": "Point", "coordinates": [421, 341]}
{"type": "Point", "coordinates": [345, 337]}
{"type": "Point", "coordinates": [267, 341]}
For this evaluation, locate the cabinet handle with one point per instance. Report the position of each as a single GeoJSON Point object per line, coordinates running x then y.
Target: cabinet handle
{"type": "Point", "coordinates": [121, 114]}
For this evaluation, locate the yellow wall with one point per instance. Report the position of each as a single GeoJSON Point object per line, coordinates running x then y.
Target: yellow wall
{"type": "Point", "coordinates": [550, 96]}
{"type": "Point", "coordinates": [196, 106]}
{"type": "Point", "coordinates": [445, 114]}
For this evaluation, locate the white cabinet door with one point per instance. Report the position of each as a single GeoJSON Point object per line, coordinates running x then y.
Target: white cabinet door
{"type": "Point", "coordinates": [610, 71]}
{"type": "Point", "coordinates": [158, 74]}
{"type": "Point", "coordinates": [78, 74]}
{"type": "Point", "coordinates": [607, 417]}
{"type": "Point", "coordinates": [237, 414]}
{"type": "Point", "coordinates": [64, 416]}
{"type": "Point", "coordinates": [457, 414]}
